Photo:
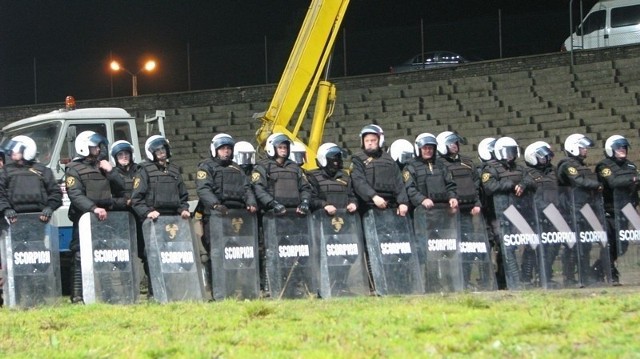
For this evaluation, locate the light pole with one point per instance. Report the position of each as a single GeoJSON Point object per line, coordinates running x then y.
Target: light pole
{"type": "Point", "coordinates": [148, 66]}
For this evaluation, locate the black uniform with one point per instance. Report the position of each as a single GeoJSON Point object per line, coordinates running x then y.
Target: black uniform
{"type": "Point", "coordinates": [159, 188]}
{"type": "Point", "coordinates": [500, 177]}
{"type": "Point", "coordinates": [377, 174]}
{"type": "Point", "coordinates": [546, 184]}
{"type": "Point", "coordinates": [28, 188]}
{"type": "Point", "coordinates": [276, 183]}
{"type": "Point", "coordinates": [619, 176]}
{"type": "Point", "coordinates": [572, 172]}
{"type": "Point", "coordinates": [428, 179]}
{"type": "Point", "coordinates": [88, 187]}
{"type": "Point", "coordinates": [465, 175]}
{"type": "Point", "coordinates": [336, 190]}
{"type": "Point", "coordinates": [221, 183]}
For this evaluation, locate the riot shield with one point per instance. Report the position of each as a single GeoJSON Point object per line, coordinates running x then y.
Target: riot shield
{"type": "Point", "coordinates": [627, 226]}
{"type": "Point", "coordinates": [437, 241]}
{"type": "Point", "coordinates": [108, 252]}
{"type": "Point", "coordinates": [31, 262]}
{"type": "Point", "coordinates": [338, 238]}
{"type": "Point", "coordinates": [521, 252]}
{"type": "Point", "coordinates": [475, 253]}
{"type": "Point", "coordinates": [393, 259]}
{"type": "Point", "coordinates": [555, 233]}
{"type": "Point", "coordinates": [587, 263]}
{"type": "Point", "coordinates": [174, 261]}
{"type": "Point", "coordinates": [234, 255]}
{"type": "Point", "coordinates": [291, 272]}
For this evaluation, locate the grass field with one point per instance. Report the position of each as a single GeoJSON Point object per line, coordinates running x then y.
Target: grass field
{"type": "Point", "coordinates": [594, 323]}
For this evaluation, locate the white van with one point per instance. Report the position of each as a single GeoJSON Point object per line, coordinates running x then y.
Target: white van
{"type": "Point", "coordinates": [608, 23]}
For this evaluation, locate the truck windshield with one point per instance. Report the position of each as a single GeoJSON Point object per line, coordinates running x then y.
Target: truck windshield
{"type": "Point", "coordinates": [43, 135]}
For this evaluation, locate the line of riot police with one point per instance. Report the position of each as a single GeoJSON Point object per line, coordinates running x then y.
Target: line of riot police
{"type": "Point", "coordinates": [419, 218]}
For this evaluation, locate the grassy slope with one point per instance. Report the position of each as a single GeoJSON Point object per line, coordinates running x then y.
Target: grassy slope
{"type": "Point", "coordinates": [586, 323]}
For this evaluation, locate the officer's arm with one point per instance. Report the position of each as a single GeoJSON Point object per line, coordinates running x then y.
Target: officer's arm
{"type": "Point", "coordinates": [184, 195]}
{"type": "Point", "coordinates": [360, 185]}
{"type": "Point", "coordinates": [205, 187]}
{"type": "Point", "coordinates": [450, 184]}
{"type": "Point", "coordinates": [477, 184]}
{"type": "Point", "coordinates": [76, 192]}
{"type": "Point", "coordinates": [116, 182]}
{"type": "Point", "coordinates": [574, 179]}
{"type": "Point", "coordinates": [316, 201]}
{"type": "Point", "coordinates": [259, 183]}
{"type": "Point", "coordinates": [303, 186]}
{"type": "Point", "coordinates": [416, 197]}
{"type": "Point", "coordinates": [400, 190]}
{"type": "Point", "coordinates": [4, 199]}
{"type": "Point", "coordinates": [54, 194]}
{"type": "Point", "coordinates": [249, 196]}
{"type": "Point", "coordinates": [615, 178]}
{"type": "Point", "coordinates": [140, 187]}
{"type": "Point", "coordinates": [351, 196]}
{"type": "Point", "coordinates": [492, 184]}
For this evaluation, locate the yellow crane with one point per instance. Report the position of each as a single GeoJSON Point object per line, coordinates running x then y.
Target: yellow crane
{"type": "Point", "coordinates": [301, 79]}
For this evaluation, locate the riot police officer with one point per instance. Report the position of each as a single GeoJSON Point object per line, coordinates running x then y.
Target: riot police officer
{"type": "Point", "coordinates": [278, 182]}
{"type": "Point", "coordinates": [428, 181]}
{"type": "Point", "coordinates": [618, 174]}
{"type": "Point", "coordinates": [25, 185]}
{"type": "Point", "coordinates": [377, 180]}
{"type": "Point", "coordinates": [159, 188]}
{"type": "Point", "coordinates": [128, 169]}
{"type": "Point", "coordinates": [331, 185]}
{"type": "Point", "coordinates": [538, 156]}
{"type": "Point", "coordinates": [90, 182]}
{"type": "Point", "coordinates": [505, 177]}
{"type": "Point", "coordinates": [221, 184]}
{"type": "Point", "coordinates": [462, 170]}
{"type": "Point", "coordinates": [574, 173]}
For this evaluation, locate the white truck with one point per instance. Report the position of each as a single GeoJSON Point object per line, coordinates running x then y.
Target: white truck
{"type": "Point", "coordinates": [55, 133]}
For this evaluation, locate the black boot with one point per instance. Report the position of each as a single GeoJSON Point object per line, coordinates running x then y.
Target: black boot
{"type": "Point", "coordinates": [76, 289]}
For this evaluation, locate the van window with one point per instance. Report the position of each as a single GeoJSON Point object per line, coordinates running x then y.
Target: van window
{"type": "Point", "coordinates": [625, 16]}
{"type": "Point", "coordinates": [594, 22]}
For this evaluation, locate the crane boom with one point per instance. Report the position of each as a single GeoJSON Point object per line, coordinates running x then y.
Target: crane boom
{"type": "Point", "coordinates": [301, 78]}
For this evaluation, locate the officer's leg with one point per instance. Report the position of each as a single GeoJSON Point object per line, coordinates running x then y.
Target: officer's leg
{"type": "Point", "coordinates": [76, 267]}
{"type": "Point", "coordinates": [613, 249]}
{"type": "Point", "coordinates": [205, 253]}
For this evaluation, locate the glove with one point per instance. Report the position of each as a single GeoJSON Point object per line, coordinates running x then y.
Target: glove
{"type": "Point", "coordinates": [304, 206]}
{"type": "Point", "coordinates": [221, 208]}
{"type": "Point", "coordinates": [47, 212]}
{"type": "Point", "coordinates": [278, 209]}
{"type": "Point", "coordinates": [10, 214]}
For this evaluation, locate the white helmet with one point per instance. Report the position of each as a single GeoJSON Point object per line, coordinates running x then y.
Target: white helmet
{"type": "Point", "coordinates": [424, 139]}
{"type": "Point", "coordinates": [88, 139]}
{"type": "Point", "coordinates": [298, 153]}
{"type": "Point", "coordinates": [445, 139]}
{"type": "Point", "coordinates": [220, 140]}
{"type": "Point", "coordinates": [537, 151]}
{"type": "Point", "coordinates": [153, 144]}
{"type": "Point", "coordinates": [25, 145]}
{"type": "Point", "coordinates": [244, 153]}
{"type": "Point", "coordinates": [485, 149]}
{"type": "Point", "coordinates": [328, 151]}
{"type": "Point", "coordinates": [574, 142]}
{"type": "Point", "coordinates": [506, 148]}
{"type": "Point", "coordinates": [374, 129]}
{"type": "Point", "coordinates": [120, 146]}
{"type": "Point", "coordinates": [274, 140]}
{"type": "Point", "coordinates": [401, 151]}
{"type": "Point", "coordinates": [613, 143]}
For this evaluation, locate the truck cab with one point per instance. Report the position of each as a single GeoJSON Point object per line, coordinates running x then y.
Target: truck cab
{"type": "Point", "coordinates": [55, 133]}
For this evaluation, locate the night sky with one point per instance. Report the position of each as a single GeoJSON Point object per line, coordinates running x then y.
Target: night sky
{"type": "Point", "coordinates": [49, 49]}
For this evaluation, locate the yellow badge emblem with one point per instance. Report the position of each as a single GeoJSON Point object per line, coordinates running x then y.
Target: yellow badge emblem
{"type": "Point", "coordinates": [572, 171]}
{"type": "Point", "coordinates": [485, 177]}
{"type": "Point", "coordinates": [606, 172]}
{"type": "Point", "coordinates": [136, 182]}
{"type": "Point", "coordinates": [201, 175]}
{"type": "Point", "coordinates": [71, 181]}
{"type": "Point", "coordinates": [255, 177]}
{"type": "Point", "coordinates": [406, 175]}
{"type": "Point", "coordinates": [337, 223]}
{"type": "Point", "coordinates": [236, 223]}
{"type": "Point", "coordinates": [172, 230]}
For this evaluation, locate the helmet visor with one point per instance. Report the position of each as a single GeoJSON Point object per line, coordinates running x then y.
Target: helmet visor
{"type": "Point", "coordinates": [585, 142]}
{"type": "Point", "coordinates": [620, 143]}
{"type": "Point", "coordinates": [245, 158]}
{"type": "Point", "coordinates": [509, 153]}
